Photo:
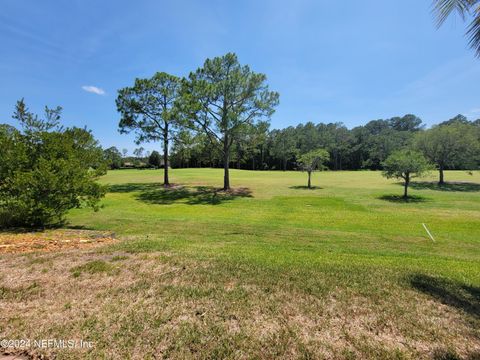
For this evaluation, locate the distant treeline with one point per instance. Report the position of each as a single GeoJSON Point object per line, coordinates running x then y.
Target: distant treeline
{"type": "Point", "coordinates": [363, 147]}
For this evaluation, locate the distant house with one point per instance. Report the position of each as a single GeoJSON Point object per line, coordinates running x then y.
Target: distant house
{"type": "Point", "coordinates": [139, 164]}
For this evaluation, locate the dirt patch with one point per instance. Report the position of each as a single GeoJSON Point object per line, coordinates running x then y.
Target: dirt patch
{"type": "Point", "coordinates": [53, 240]}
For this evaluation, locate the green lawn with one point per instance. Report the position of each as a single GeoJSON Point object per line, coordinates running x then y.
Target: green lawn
{"type": "Point", "coordinates": [273, 270]}
{"type": "Point", "coordinates": [351, 218]}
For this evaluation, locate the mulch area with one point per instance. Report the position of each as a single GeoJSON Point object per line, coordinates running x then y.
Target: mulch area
{"type": "Point", "coordinates": [53, 240]}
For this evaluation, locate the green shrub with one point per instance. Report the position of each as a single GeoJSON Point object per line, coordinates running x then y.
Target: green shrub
{"type": "Point", "coordinates": [45, 170]}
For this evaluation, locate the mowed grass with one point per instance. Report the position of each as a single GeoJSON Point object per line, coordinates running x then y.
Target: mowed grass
{"type": "Point", "coordinates": [271, 270]}
{"type": "Point", "coordinates": [274, 220]}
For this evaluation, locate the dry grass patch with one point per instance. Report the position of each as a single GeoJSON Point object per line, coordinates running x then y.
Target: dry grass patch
{"type": "Point", "coordinates": [161, 305]}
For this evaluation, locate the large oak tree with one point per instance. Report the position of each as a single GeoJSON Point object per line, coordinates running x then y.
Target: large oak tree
{"type": "Point", "coordinates": [223, 98]}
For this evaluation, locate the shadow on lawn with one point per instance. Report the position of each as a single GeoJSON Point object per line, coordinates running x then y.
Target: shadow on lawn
{"type": "Point", "coordinates": [450, 186]}
{"type": "Point", "coordinates": [131, 187]}
{"type": "Point", "coordinates": [401, 199]}
{"type": "Point", "coordinates": [29, 230]}
{"type": "Point", "coordinates": [155, 193]}
{"type": "Point", "coordinates": [303, 187]}
{"type": "Point", "coordinates": [448, 292]}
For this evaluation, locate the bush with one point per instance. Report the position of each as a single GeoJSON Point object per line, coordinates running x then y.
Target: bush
{"type": "Point", "coordinates": [46, 170]}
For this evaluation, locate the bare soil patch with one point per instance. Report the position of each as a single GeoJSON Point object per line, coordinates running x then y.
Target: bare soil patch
{"type": "Point", "coordinates": [53, 240]}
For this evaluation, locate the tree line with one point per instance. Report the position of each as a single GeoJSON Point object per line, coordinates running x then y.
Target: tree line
{"type": "Point", "coordinates": [452, 144]}
{"type": "Point", "coordinates": [364, 147]}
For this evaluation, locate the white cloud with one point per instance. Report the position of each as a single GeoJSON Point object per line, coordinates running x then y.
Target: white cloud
{"type": "Point", "coordinates": [93, 89]}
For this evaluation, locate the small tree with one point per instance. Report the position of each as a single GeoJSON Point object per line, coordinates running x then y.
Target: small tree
{"type": "Point", "coordinates": [155, 159]}
{"type": "Point", "coordinates": [406, 164]}
{"type": "Point", "coordinates": [312, 161]}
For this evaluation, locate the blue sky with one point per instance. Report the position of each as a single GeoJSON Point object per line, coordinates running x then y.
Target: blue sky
{"type": "Point", "coordinates": [331, 61]}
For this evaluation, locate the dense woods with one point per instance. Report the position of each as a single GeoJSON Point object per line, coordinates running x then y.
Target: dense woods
{"type": "Point", "coordinates": [452, 144]}
{"type": "Point", "coordinates": [363, 147]}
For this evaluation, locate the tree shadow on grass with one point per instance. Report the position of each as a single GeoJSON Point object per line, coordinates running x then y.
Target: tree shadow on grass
{"type": "Point", "coordinates": [449, 292]}
{"type": "Point", "coordinates": [155, 193]}
{"type": "Point", "coordinates": [37, 229]}
{"type": "Point", "coordinates": [304, 187]}
{"type": "Point", "coordinates": [20, 230]}
{"type": "Point", "coordinates": [78, 227]}
{"type": "Point", "coordinates": [401, 199]}
{"type": "Point", "coordinates": [450, 186]}
{"type": "Point", "coordinates": [131, 187]}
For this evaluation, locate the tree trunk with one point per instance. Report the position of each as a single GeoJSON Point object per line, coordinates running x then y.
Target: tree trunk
{"type": "Point", "coordinates": [441, 181]}
{"type": "Point", "coordinates": [284, 164]}
{"type": "Point", "coordinates": [226, 161]}
{"type": "Point", "coordinates": [253, 163]}
{"type": "Point", "coordinates": [309, 180]}
{"type": "Point", "coordinates": [166, 183]}
{"type": "Point", "coordinates": [407, 182]}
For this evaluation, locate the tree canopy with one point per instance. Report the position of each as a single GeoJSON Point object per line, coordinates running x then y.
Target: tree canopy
{"type": "Point", "coordinates": [312, 161]}
{"type": "Point", "coordinates": [113, 157]}
{"type": "Point", "coordinates": [405, 164]}
{"type": "Point", "coordinates": [363, 147]}
{"type": "Point", "coordinates": [454, 145]}
{"type": "Point", "coordinates": [149, 108]}
{"type": "Point", "coordinates": [155, 159]}
{"type": "Point", "coordinates": [224, 98]}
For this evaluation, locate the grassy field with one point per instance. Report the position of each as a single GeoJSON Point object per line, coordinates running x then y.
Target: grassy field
{"type": "Point", "coordinates": [272, 270]}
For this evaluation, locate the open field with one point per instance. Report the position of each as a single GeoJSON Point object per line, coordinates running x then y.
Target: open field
{"type": "Point", "coordinates": [272, 270]}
